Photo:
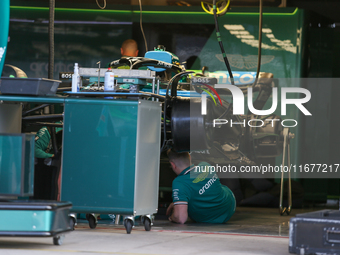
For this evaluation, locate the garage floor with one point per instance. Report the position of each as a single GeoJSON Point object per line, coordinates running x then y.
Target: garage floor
{"type": "Point", "coordinates": [250, 231]}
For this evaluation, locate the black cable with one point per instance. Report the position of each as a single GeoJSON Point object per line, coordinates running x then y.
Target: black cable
{"type": "Point", "coordinates": [141, 25]}
{"type": "Point", "coordinates": [221, 44]}
{"type": "Point", "coordinates": [247, 131]}
{"type": "Point", "coordinates": [175, 77]}
{"type": "Point", "coordinates": [226, 111]}
{"type": "Point", "coordinates": [175, 82]}
{"type": "Point", "coordinates": [259, 50]}
{"type": "Point", "coordinates": [51, 64]}
{"type": "Point", "coordinates": [165, 105]}
{"type": "Point", "coordinates": [260, 43]}
{"type": "Point", "coordinates": [223, 54]}
{"type": "Point", "coordinates": [51, 40]}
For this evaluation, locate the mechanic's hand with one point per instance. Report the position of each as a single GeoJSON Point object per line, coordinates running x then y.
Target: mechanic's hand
{"type": "Point", "coordinates": [169, 210]}
{"type": "Point", "coordinates": [48, 161]}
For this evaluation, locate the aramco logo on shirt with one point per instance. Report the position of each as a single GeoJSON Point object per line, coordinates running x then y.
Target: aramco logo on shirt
{"type": "Point", "coordinates": [201, 177]}
{"type": "Point", "coordinates": [208, 184]}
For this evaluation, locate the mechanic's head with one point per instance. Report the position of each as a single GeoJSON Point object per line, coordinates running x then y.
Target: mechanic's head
{"type": "Point", "coordinates": [179, 160]}
{"type": "Point", "coordinates": [129, 48]}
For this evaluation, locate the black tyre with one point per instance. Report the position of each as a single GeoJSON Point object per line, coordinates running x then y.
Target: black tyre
{"type": "Point", "coordinates": [58, 240]}
{"type": "Point", "coordinates": [72, 223]}
{"type": "Point", "coordinates": [147, 224]}
{"type": "Point", "coordinates": [128, 225]}
{"type": "Point", "coordinates": [92, 221]}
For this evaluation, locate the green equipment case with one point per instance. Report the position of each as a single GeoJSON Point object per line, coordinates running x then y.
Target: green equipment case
{"type": "Point", "coordinates": [35, 219]}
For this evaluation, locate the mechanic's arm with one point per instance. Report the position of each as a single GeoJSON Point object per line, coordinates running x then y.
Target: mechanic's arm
{"type": "Point", "coordinates": [42, 140]}
{"type": "Point", "coordinates": [179, 212]}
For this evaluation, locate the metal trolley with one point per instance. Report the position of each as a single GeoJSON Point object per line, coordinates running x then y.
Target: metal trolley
{"type": "Point", "coordinates": [111, 151]}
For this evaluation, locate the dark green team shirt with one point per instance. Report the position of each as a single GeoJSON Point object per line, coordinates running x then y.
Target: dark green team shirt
{"type": "Point", "coordinates": [207, 199]}
{"type": "Point", "coordinates": [43, 143]}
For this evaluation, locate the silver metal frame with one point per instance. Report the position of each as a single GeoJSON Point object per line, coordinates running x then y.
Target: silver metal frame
{"type": "Point", "coordinates": [147, 158]}
{"type": "Point", "coordinates": [286, 149]}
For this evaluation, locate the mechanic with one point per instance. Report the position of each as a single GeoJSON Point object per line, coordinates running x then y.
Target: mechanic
{"type": "Point", "coordinates": [198, 195]}
{"type": "Point", "coordinates": [46, 172]}
{"type": "Point", "coordinates": [129, 48]}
